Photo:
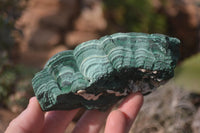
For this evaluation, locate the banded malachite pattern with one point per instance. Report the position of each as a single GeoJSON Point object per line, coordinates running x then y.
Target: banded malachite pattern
{"type": "Point", "coordinates": [98, 73]}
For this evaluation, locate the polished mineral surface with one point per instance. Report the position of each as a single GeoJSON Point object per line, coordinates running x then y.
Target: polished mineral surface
{"type": "Point", "coordinates": [97, 73]}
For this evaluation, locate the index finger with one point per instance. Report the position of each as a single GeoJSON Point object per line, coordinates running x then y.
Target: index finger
{"type": "Point", "coordinates": [28, 120]}
{"type": "Point", "coordinates": [120, 120]}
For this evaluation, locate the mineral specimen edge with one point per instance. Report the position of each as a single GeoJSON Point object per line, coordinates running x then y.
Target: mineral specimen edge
{"type": "Point", "coordinates": [98, 73]}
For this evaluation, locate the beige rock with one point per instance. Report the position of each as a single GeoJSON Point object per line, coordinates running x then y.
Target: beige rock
{"type": "Point", "coordinates": [76, 37]}
{"type": "Point", "coordinates": [43, 25]}
{"type": "Point", "coordinates": [33, 58]}
{"type": "Point", "coordinates": [92, 18]}
{"type": "Point", "coordinates": [43, 39]}
{"type": "Point", "coordinates": [188, 8]}
{"type": "Point", "coordinates": [38, 58]}
{"type": "Point", "coordinates": [184, 20]}
{"type": "Point", "coordinates": [56, 50]}
{"type": "Point", "coordinates": [48, 26]}
{"type": "Point", "coordinates": [52, 16]}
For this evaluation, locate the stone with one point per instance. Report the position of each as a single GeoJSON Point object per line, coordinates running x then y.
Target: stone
{"type": "Point", "coordinates": [46, 24]}
{"type": "Point", "coordinates": [98, 73]}
{"type": "Point", "coordinates": [76, 37]}
{"type": "Point", "coordinates": [186, 11]}
{"type": "Point", "coordinates": [44, 39]}
{"type": "Point", "coordinates": [43, 25]}
{"type": "Point", "coordinates": [30, 57]}
{"type": "Point", "coordinates": [91, 18]}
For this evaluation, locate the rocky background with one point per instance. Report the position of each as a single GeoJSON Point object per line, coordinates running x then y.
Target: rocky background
{"type": "Point", "coordinates": [31, 31]}
{"type": "Point", "coordinates": [48, 27]}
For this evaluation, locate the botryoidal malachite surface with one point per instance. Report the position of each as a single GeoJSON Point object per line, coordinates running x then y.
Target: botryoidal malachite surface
{"type": "Point", "coordinates": [97, 73]}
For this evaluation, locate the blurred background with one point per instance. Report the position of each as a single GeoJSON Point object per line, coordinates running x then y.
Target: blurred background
{"type": "Point", "coordinates": [31, 31]}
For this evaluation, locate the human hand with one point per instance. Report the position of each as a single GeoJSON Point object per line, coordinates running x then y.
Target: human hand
{"type": "Point", "coordinates": [34, 120]}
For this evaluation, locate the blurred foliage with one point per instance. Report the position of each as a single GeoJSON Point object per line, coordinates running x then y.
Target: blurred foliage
{"type": "Point", "coordinates": [15, 78]}
{"type": "Point", "coordinates": [11, 75]}
{"type": "Point", "coordinates": [134, 15]}
{"type": "Point", "coordinates": [6, 40]}
{"type": "Point", "coordinates": [10, 10]}
{"type": "Point", "coordinates": [187, 74]}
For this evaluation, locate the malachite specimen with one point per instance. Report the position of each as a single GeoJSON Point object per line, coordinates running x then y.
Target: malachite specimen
{"type": "Point", "coordinates": [98, 73]}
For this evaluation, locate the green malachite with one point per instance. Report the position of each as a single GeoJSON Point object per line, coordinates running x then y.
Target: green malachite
{"type": "Point", "coordinates": [97, 73]}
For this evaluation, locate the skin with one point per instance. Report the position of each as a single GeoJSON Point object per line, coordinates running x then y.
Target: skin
{"type": "Point", "coordinates": [34, 120]}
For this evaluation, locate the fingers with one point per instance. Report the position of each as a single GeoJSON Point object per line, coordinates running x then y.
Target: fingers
{"type": "Point", "coordinates": [57, 121]}
{"type": "Point", "coordinates": [116, 122]}
{"type": "Point", "coordinates": [30, 120]}
{"type": "Point", "coordinates": [91, 122]}
{"type": "Point", "coordinates": [120, 120]}
{"type": "Point", "coordinates": [131, 106]}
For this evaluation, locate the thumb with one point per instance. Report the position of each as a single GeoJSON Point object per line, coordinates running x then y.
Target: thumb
{"type": "Point", "coordinates": [29, 121]}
